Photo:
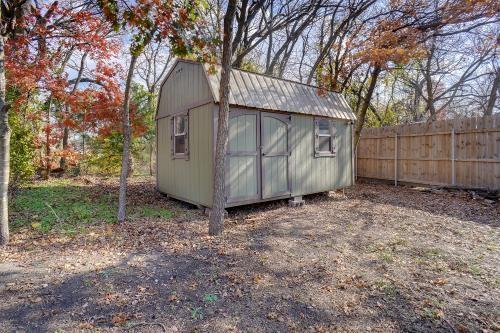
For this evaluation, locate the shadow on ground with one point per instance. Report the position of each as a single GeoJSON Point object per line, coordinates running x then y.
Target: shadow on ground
{"type": "Point", "coordinates": [201, 292]}
{"type": "Point", "coordinates": [376, 258]}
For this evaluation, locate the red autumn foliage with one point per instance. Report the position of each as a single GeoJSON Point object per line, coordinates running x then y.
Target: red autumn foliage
{"type": "Point", "coordinates": [43, 64]}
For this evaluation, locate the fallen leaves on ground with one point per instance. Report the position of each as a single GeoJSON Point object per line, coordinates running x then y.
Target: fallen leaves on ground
{"type": "Point", "coordinates": [379, 258]}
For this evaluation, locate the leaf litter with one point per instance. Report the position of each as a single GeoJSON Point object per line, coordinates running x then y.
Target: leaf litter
{"type": "Point", "coordinates": [371, 258]}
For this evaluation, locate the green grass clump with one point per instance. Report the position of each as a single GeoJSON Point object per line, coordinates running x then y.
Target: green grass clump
{"type": "Point", "coordinates": [156, 212]}
{"type": "Point", "coordinates": [59, 204]}
{"type": "Point", "coordinates": [69, 207]}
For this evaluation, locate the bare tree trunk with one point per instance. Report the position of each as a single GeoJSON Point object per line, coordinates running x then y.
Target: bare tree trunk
{"type": "Point", "coordinates": [416, 100]}
{"type": "Point", "coordinates": [151, 152]}
{"type": "Point", "coordinates": [375, 113]}
{"type": "Point", "coordinates": [493, 95]}
{"type": "Point", "coordinates": [430, 98]}
{"type": "Point", "coordinates": [151, 103]}
{"type": "Point", "coordinates": [65, 139]}
{"type": "Point", "coordinates": [130, 169]}
{"type": "Point", "coordinates": [126, 141]}
{"type": "Point", "coordinates": [428, 81]}
{"type": "Point", "coordinates": [360, 122]}
{"type": "Point", "coordinates": [4, 151]}
{"type": "Point", "coordinates": [47, 141]}
{"type": "Point", "coordinates": [270, 41]}
{"type": "Point", "coordinates": [216, 224]}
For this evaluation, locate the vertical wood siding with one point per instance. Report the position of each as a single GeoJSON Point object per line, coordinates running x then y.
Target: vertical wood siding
{"type": "Point", "coordinates": [192, 179]}
{"type": "Point", "coordinates": [242, 179]}
{"type": "Point", "coordinates": [186, 86]}
{"type": "Point", "coordinates": [310, 174]}
{"type": "Point", "coordinates": [274, 168]}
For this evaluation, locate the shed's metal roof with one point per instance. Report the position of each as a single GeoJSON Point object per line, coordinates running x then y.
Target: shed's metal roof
{"type": "Point", "coordinates": [270, 93]}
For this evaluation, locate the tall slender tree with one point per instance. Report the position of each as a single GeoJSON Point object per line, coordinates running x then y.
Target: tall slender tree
{"type": "Point", "coordinates": [12, 15]}
{"type": "Point", "coordinates": [4, 149]}
{"type": "Point", "coordinates": [492, 99]}
{"type": "Point", "coordinates": [147, 21]}
{"type": "Point", "coordinates": [216, 224]}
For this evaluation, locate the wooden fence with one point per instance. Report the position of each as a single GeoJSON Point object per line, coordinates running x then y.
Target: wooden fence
{"type": "Point", "coordinates": [463, 152]}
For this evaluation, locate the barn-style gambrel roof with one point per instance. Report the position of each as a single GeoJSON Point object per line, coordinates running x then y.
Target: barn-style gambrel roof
{"type": "Point", "coordinates": [269, 93]}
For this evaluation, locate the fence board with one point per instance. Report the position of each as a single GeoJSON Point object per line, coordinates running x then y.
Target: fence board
{"type": "Point", "coordinates": [424, 153]}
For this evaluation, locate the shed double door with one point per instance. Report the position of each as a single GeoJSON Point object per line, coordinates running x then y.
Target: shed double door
{"type": "Point", "coordinates": [257, 159]}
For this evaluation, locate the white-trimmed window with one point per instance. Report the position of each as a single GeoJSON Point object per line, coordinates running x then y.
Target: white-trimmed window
{"type": "Point", "coordinates": [324, 137]}
{"type": "Point", "coordinates": [180, 136]}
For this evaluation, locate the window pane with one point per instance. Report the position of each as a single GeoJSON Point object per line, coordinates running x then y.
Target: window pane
{"type": "Point", "coordinates": [180, 144]}
{"type": "Point", "coordinates": [180, 124]}
{"type": "Point", "coordinates": [325, 144]}
{"type": "Point", "coordinates": [324, 126]}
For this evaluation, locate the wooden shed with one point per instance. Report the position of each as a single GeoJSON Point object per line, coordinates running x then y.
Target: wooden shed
{"type": "Point", "coordinates": [286, 139]}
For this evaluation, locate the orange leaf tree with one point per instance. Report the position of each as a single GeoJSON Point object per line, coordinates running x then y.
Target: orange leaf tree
{"type": "Point", "coordinates": [48, 65]}
{"type": "Point", "coordinates": [145, 21]}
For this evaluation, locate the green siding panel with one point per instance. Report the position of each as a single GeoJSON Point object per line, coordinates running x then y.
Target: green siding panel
{"type": "Point", "coordinates": [192, 180]}
{"type": "Point", "coordinates": [186, 86]}
{"type": "Point", "coordinates": [188, 179]}
{"type": "Point", "coordinates": [275, 134]}
{"type": "Point", "coordinates": [243, 133]}
{"type": "Point", "coordinates": [274, 168]}
{"type": "Point", "coordinates": [274, 175]}
{"type": "Point", "coordinates": [242, 178]}
{"type": "Point", "coordinates": [311, 174]}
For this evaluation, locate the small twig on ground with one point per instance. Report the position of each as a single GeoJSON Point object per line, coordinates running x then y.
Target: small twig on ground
{"type": "Point", "coordinates": [164, 329]}
{"type": "Point", "coordinates": [53, 212]}
{"type": "Point", "coordinates": [450, 325]}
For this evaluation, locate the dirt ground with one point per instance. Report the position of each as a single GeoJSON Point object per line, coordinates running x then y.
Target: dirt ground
{"type": "Point", "coordinates": [373, 258]}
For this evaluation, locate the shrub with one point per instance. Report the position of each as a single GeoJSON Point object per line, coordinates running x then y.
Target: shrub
{"type": "Point", "coordinates": [22, 150]}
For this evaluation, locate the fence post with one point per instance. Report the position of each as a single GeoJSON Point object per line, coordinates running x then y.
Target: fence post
{"type": "Point", "coordinates": [453, 175]}
{"type": "Point", "coordinates": [396, 159]}
{"type": "Point", "coordinates": [354, 158]}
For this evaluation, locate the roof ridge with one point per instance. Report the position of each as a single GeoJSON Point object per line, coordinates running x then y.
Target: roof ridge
{"type": "Point", "coordinates": [266, 92]}
{"type": "Point", "coordinates": [283, 79]}
{"type": "Point", "coordinates": [267, 75]}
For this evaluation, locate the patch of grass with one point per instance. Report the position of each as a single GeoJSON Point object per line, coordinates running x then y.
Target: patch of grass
{"type": "Point", "coordinates": [156, 212]}
{"type": "Point", "coordinates": [383, 252]}
{"type": "Point", "coordinates": [474, 270]}
{"type": "Point", "coordinates": [210, 298]}
{"type": "Point", "coordinates": [68, 207]}
{"type": "Point", "coordinates": [386, 256]}
{"type": "Point", "coordinates": [433, 313]}
{"type": "Point", "coordinates": [58, 204]}
{"type": "Point", "coordinates": [433, 258]}
{"type": "Point", "coordinates": [386, 287]}
{"type": "Point", "coordinates": [196, 313]}
{"type": "Point", "coordinates": [432, 309]}
{"type": "Point", "coordinates": [398, 242]}
{"type": "Point", "coordinates": [88, 283]}
{"type": "Point", "coordinates": [106, 273]}
{"type": "Point", "coordinates": [432, 253]}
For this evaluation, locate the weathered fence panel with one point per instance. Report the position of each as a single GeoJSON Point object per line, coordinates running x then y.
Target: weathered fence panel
{"type": "Point", "coordinates": [462, 152]}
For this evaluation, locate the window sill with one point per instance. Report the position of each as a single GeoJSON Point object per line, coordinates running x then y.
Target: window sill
{"type": "Point", "coordinates": [180, 157]}
{"type": "Point", "coordinates": [316, 155]}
